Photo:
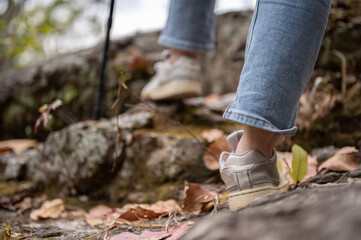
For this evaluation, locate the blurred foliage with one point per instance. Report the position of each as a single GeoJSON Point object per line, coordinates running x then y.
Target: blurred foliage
{"type": "Point", "coordinates": [25, 24]}
{"type": "Point", "coordinates": [343, 33]}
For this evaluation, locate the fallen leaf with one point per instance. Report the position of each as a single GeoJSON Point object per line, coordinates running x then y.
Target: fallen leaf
{"type": "Point", "coordinates": [177, 233]}
{"type": "Point", "coordinates": [212, 134]}
{"type": "Point", "coordinates": [49, 209]}
{"type": "Point", "coordinates": [75, 214]}
{"type": "Point", "coordinates": [217, 147]}
{"type": "Point", "coordinates": [159, 207]}
{"type": "Point", "coordinates": [197, 199]}
{"type": "Point", "coordinates": [5, 149]}
{"type": "Point", "coordinates": [17, 145]}
{"type": "Point", "coordinates": [146, 235]}
{"type": "Point", "coordinates": [172, 234]}
{"type": "Point", "coordinates": [343, 160]}
{"type": "Point", "coordinates": [24, 205]}
{"type": "Point", "coordinates": [139, 213]}
{"type": "Point", "coordinates": [138, 60]}
{"type": "Point", "coordinates": [100, 214]}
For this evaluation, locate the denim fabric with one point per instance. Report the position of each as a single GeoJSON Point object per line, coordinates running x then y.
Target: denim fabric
{"type": "Point", "coordinates": [282, 46]}
{"type": "Point", "coordinates": [190, 26]}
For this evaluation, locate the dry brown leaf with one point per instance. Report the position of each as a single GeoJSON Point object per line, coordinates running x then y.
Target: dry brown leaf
{"type": "Point", "coordinates": [197, 199]}
{"type": "Point", "coordinates": [172, 234]}
{"type": "Point", "coordinates": [138, 60]}
{"type": "Point", "coordinates": [343, 160]}
{"type": "Point", "coordinates": [159, 207]}
{"type": "Point", "coordinates": [24, 205]}
{"type": "Point", "coordinates": [49, 209]}
{"type": "Point", "coordinates": [138, 213]}
{"type": "Point", "coordinates": [217, 147]}
{"type": "Point", "coordinates": [212, 134]}
{"type": "Point", "coordinates": [100, 214]}
{"type": "Point", "coordinates": [287, 156]}
{"type": "Point", "coordinates": [17, 145]}
{"type": "Point", "coordinates": [75, 214]}
{"type": "Point", "coordinates": [5, 149]}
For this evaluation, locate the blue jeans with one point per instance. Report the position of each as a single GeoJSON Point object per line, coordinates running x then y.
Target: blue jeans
{"type": "Point", "coordinates": [282, 47]}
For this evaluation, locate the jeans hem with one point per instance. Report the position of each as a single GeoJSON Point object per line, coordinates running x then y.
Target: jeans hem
{"type": "Point", "coordinates": [258, 123]}
{"type": "Point", "coordinates": [184, 45]}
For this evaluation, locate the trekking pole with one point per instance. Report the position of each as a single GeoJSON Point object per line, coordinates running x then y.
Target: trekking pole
{"type": "Point", "coordinates": [101, 84]}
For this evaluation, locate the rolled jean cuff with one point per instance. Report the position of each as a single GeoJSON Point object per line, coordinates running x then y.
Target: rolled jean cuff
{"type": "Point", "coordinates": [184, 45]}
{"type": "Point", "coordinates": [257, 122]}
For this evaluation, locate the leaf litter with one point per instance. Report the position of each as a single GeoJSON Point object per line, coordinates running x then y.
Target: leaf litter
{"type": "Point", "coordinates": [49, 209]}
{"type": "Point", "coordinates": [196, 200]}
{"type": "Point", "coordinates": [172, 234]}
{"type": "Point", "coordinates": [343, 160]}
{"type": "Point", "coordinates": [217, 147]}
{"type": "Point", "coordinates": [17, 145]}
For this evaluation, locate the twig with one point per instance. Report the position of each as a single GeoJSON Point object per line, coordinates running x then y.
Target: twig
{"type": "Point", "coordinates": [215, 205]}
{"type": "Point", "coordinates": [287, 166]}
{"type": "Point", "coordinates": [174, 122]}
{"type": "Point", "coordinates": [343, 70]}
{"type": "Point", "coordinates": [102, 231]}
{"type": "Point", "coordinates": [116, 104]}
{"type": "Point", "coordinates": [137, 224]}
{"type": "Point", "coordinates": [169, 221]}
{"type": "Point", "coordinates": [342, 177]}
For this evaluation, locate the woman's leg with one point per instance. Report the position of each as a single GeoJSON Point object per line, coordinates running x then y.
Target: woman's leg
{"type": "Point", "coordinates": [190, 26]}
{"type": "Point", "coordinates": [188, 32]}
{"type": "Point", "coordinates": [282, 46]}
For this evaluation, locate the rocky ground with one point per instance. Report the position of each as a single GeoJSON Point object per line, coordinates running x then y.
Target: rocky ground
{"type": "Point", "coordinates": [149, 150]}
{"type": "Point", "coordinates": [312, 211]}
{"type": "Point", "coordinates": [154, 156]}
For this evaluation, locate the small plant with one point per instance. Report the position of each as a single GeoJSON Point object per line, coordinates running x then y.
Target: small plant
{"type": "Point", "coordinates": [6, 234]}
{"type": "Point", "coordinates": [299, 163]}
{"type": "Point", "coordinates": [45, 114]}
{"type": "Point", "coordinates": [279, 166]}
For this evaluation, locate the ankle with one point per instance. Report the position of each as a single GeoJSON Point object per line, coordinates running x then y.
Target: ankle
{"type": "Point", "coordinates": [257, 139]}
{"type": "Point", "coordinates": [175, 54]}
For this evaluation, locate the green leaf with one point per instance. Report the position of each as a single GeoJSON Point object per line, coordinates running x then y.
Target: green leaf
{"type": "Point", "coordinates": [279, 166]}
{"type": "Point", "coordinates": [299, 163]}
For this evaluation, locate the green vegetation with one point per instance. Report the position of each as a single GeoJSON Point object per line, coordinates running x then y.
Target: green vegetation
{"type": "Point", "coordinates": [26, 24]}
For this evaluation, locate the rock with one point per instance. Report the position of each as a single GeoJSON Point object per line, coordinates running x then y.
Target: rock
{"type": "Point", "coordinates": [324, 153]}
{"type": "Point", "coordinates": [153, 158]}
{"type": "Point", "coordinates": [75, 229]}
{"type": "Point", "coordinates": [157, 164]}
{"type": "Point", "coordinates": [319, 213]}
{"type": "Point", "coordinates": [79, 157]}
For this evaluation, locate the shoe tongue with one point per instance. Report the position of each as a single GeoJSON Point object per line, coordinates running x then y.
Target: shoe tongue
{"type": "Point", "coordinates": [222, 159]}
{"type": "Point", "coordinates": [234, 138]}
{"type": "Point", "coordinates": [232, 141]}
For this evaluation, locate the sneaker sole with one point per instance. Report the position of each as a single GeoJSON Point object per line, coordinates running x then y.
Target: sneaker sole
{"type": "Point", "coordinates": [241, 199]}
{"type": "Point", "coordinates": [177, 89]}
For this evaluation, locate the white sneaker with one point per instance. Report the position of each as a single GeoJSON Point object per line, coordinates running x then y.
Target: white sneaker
{"type": "Point", "coordinates": [249, 175]}
{"type": "Point", "coordinates": [174, 81]}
